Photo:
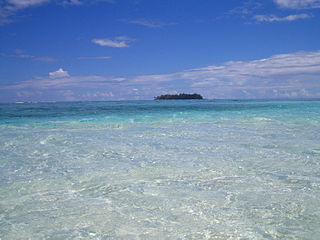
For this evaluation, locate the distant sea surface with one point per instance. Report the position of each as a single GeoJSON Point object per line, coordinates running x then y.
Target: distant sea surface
{"type": "Point", "coordinates": [197, 169]}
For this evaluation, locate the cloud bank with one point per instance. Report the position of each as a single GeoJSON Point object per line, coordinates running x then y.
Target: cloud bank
{"type": "Point", "coordinates": [293, 75]}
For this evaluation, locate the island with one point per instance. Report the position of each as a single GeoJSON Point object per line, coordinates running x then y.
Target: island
{"type": "Point", "coordinates": [181, 96]}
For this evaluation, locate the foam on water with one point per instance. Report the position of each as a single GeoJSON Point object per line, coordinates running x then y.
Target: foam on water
{"type": "Point", "coordinates": [160, 170]}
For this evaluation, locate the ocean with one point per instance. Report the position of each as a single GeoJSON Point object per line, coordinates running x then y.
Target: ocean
{"type": "Point", "coordinates": [197, 169]}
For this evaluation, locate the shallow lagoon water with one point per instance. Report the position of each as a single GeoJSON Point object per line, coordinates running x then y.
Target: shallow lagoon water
{"type": "Point", "coordinates": [160, 170]}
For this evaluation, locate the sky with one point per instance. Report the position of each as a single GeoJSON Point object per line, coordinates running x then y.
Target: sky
{"type": "Point", "coordinates": [97, 50]}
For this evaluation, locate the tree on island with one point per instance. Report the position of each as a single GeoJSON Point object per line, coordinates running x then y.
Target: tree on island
{"type": "Point", "coordinates": [181, 96]}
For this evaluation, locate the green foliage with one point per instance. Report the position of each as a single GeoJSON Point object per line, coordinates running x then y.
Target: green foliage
{"type": "Point", "coordinates": [181, 96]}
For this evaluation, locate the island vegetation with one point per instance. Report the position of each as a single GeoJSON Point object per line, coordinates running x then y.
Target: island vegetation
{"type": "Point", "coordinates": [181, 96]}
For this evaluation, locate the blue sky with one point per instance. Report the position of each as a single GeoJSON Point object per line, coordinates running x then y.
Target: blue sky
{"type": "Point", "coordinates": [72, 50]}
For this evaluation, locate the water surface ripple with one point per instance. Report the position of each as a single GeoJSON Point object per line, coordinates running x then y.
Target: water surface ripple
{"type": "Point", "coordinates": [160, 170]}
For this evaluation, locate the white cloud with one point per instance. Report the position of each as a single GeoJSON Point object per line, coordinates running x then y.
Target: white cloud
{"type": "Point", "coordinates": [81, 2]}
{"type": "Point", "coordinates": [21, 54]}
{"type": "Point", "coordinates": [282, 64]}
{"type": "Point", "coordinates": [298, 4]}
{"type": "Point", "coordinates": [247, 8]}
{"type": "Point", "coordinates": [9, 8]}
{"type": "Point", "coordinates": [147, 23]}
{"type": "Point", "coordinates": [118, 42]}
{"type": "Point", "coordinates": [94, 58]}
{"type": "Point", "coordinates": [274, 18]}
{"type": "Point", "coordinates": [59, 74]}
{"type": "Point", "coordinates": [25, 3]}
{"type": "Point", "coordinates": [60, 79]}
{"type": "Point", "coordinates": [119, 79]}
{"type": "Point", "coordinates": [283, 75]}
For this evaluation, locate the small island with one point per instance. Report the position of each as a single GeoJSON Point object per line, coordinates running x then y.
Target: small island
{"type": "Point", "coordinates": [181, 96]}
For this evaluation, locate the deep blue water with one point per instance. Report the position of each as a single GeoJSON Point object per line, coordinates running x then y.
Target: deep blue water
{"type": "Point", "coordinates": [160, 170]}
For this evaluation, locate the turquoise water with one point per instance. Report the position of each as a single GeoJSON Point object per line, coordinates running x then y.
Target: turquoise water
{"type": "Point", "coordinates": [160, 170]}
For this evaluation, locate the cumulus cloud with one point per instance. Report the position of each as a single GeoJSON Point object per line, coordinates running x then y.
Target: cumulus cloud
{"type": "Point", "coordinates": [298, 4]}
{"type": "Point", "coordinates": [274, 18]}
{"type": "Point", "coordinates": [279, 76]}
{"type": "Point", "coordinates": [118, 42]}
{"type": "Point", "coordinates": [59, 74]}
